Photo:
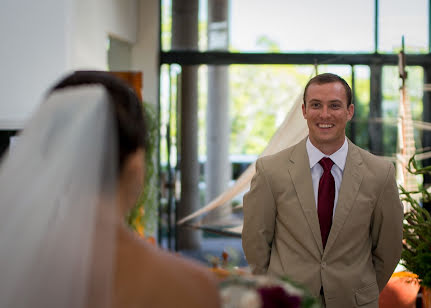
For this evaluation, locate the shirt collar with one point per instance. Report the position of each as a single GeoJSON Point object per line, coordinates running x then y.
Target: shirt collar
{"type": "Point", "coordinates": [339, 157]}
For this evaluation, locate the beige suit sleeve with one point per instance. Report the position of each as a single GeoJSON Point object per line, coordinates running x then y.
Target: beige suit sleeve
{"type": "Point", "coordinates": [387, 230]}
{"type": "Point", "coordinates": [259, 222]}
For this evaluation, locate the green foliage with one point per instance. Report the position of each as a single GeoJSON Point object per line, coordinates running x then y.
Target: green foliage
{"type": "Point", "coordinates": [416, 254]}
{"type": "Point", "coordinates": [143, 216]}
{"type": "Point", "coordinates": [261, 96]}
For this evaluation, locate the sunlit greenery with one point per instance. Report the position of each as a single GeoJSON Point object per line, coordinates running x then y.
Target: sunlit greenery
{"type": "Point", "coordinates": [261, 97]}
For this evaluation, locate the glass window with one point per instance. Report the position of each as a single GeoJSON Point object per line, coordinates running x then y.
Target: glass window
{"type": "Point", "coordinates": [166, 24]}
{"type": "Point", "coordinates": [288, 26]}
{"type": "Point", "coordinates": [359, 133]}
{"type": "Point", "coordinates": [168, 108]}
{"type": "Point", "coordinates": [302, 26]}
{"type": "Point", "coordinates": [260, 96]}
{"type": "Point", "coordinates": [408, 18]}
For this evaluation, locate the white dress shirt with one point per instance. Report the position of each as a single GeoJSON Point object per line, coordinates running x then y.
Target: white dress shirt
{"type": "Point", "coordinates": [339, 159]}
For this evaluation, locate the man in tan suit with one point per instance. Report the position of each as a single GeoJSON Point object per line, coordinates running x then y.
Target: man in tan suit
{"type": "Point", "coordinates": [347, 257]}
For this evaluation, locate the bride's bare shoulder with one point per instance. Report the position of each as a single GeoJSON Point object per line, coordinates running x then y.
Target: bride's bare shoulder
{"type": "Point", "coordinates": [162, 279]}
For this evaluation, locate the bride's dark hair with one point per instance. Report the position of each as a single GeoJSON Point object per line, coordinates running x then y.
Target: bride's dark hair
{"type": "Point", "coordinates": [129, 115]}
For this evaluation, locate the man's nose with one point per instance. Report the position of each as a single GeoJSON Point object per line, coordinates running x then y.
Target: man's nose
{"type": "Point", "coordinates": [325, 112]}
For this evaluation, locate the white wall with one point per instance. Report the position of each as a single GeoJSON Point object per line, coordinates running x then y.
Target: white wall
{"type": "Point", "coordinates": [94, 21]}
{"type": "Point", "coordinates": [133, 21]}
{"type": "Point", "coordinates": [122, 18]}
{"type": "Point", "coordinates": [42, 40]}
{"type": "Point", "coordinates": [33, 40]}
{"type": "Point", "coordinates": [145, 53]}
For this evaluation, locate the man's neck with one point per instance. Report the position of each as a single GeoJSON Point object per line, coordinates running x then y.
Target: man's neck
{"type": "Point", "coordinates": [326, 148]}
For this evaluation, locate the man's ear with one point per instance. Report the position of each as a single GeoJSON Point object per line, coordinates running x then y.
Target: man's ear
{"type": "Point", "coordinates": [304, 112]}
{"type": "Point", "coordinates": [351, 111]}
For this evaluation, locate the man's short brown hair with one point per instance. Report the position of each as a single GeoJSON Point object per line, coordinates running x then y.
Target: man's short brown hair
{"type": "Point", "coordinates": [330, 78]}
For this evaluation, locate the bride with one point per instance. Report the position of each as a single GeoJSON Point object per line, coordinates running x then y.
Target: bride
{"type": "Point", "coordinates": [65, 189]}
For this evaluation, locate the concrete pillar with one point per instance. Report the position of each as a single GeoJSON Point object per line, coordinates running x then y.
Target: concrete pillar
{"type": "Point", "coordinates": [185, 37]}
{"type": "Point", "coordinates": [217, 168]}
{"type": "Point", "coordinates": [375, 129]}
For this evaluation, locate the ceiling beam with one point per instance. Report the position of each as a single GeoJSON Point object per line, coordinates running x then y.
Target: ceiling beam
{"type": "Point", "coordinates": [227, 58]}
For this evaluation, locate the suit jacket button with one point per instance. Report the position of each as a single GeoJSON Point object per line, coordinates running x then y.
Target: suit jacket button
{"type": "Point", "coordinates": [323, 264]}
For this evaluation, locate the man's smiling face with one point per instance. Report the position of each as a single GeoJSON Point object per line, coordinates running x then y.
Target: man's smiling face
{"type": "Point", "coordinates": [327, 114]}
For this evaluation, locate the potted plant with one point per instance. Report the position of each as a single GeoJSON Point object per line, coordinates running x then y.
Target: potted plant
{"type": "Point", "coordinates": [143, 217]}
{"type": "Point", "coordinates": [416, 254]}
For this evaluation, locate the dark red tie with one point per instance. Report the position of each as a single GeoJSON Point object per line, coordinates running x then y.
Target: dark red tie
{"type": "Point", "coordinates": [326, 197]}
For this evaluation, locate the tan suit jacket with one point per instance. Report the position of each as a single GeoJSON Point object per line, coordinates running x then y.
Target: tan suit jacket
{"type": "Point", "coordinates": [281, 234]}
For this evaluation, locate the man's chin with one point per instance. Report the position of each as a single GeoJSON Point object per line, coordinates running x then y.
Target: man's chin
{"type": "Point", "coordinates": [324, 137]}
{"type": "Point", "coordinates": [325, 140]}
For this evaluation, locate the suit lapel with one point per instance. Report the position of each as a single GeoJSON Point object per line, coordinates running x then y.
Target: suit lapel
{"type": "Point", "coordinates": [349, 188]}
{"type": "Point", "coordinates": [301, 177]}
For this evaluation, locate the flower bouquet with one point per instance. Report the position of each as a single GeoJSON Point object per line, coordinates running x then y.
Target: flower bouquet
{"type": "Point", "coordinates": [240, 289]}
{"type": "Point", "coordinates": [247, 291]}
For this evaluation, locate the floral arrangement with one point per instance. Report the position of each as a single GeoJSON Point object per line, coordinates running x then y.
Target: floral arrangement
{"type": "Point", "coordinates": [240, 289]}
{"type": "Point", "coordinates": [247, 291]}
{"type": "Point", "coordinates": [416, 254]}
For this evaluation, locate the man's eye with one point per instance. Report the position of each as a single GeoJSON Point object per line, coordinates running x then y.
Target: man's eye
{"type": "Point", "coordinates": [315, 105]}
{"type": "Point", "coordinates": [335, 106]}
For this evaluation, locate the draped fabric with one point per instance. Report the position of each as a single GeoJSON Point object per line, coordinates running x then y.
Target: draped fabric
{"type": "Point", "coordinates": [291, 131]}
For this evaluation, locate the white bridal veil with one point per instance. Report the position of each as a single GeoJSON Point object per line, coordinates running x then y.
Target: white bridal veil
{"type": "Point", "coordinates": [57, 204]}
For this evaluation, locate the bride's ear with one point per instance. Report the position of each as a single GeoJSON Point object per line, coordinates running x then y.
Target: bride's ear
{"type": "Point", "coordinates": [131, 177]}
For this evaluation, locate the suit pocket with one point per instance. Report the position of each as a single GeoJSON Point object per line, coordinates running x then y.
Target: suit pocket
{"type": "Point", "coordinates": [367, 294]}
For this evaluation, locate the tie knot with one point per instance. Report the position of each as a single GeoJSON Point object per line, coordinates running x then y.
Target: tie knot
{"type": "Point", "coordinates": [326, 163]}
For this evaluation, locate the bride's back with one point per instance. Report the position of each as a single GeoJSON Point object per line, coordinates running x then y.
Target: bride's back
{"type": "Point", "coordinates": [146, 276]}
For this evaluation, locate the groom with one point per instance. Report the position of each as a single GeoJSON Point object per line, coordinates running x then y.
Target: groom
{"type": "Point", "coordinates": [324, 212]}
